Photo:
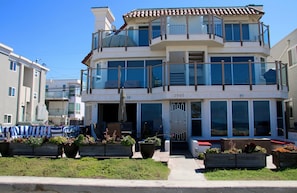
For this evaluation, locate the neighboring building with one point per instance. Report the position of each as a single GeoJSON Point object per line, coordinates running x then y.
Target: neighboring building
{"type": "Point", "coordinates": [189, 73]}
{"type": "Point", "coordinates": [286, 52]}
{"type": "Point", "coordinates": [63, 101]}
{"type": "Point", "coordinates": [22, 89]}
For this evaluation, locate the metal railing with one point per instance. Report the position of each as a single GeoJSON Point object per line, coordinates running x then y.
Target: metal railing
{"type": "Point", "coordinates": [188, 74]}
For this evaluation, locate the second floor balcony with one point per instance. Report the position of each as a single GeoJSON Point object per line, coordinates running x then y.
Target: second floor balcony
{"type": "Point", "coordinates": [218, 72]}
{"type": "Point", "coordinates": [204, 30]}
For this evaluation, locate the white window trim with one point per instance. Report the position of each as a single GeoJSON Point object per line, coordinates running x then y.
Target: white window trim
{"type": "Point", "coordinates": [6, 118]}
{"type": "Point", "coordinates": [11, 91]}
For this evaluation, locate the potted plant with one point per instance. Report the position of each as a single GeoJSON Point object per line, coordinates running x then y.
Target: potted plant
{"type": "Point", "coordinates": [70, 147]}
{"type": "Point", "coordinates": [252, 156]}
{"type": "Point", "coordinates": [147, 146]}
{"type": "Point", "coordinates": [284, 157]}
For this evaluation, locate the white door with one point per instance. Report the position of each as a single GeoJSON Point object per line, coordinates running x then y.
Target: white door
{"type": "Point", "coordinates": [178, 121]}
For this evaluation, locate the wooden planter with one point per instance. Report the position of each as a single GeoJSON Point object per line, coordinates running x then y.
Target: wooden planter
{"type": "Point", "coordinates": [251, 160]}
{"type": "Point", "coordinates": [48, 149]}
{"type": "Point", "coordinates": [4, 149]}
{"type": "Point", "coordinates": [243, 160]}
{"type": "Point", "coordinates": [118, 150]}
{"type": "Point", "coordinates": [218, 160]}
{"type": "Point", "coordinates": [70, 150]}
{"type": "Point", "coordinates": [284, 159]}
{"type": "Point", "coordinates": [147, 150]}
{"type": "Point", "coordinates": [21, 149]}
{"type": "Point", "coordinates": [92, 150]}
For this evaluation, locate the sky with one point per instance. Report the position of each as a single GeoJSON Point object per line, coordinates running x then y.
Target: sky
{"type": "Point", "coordinates": [58, 33]}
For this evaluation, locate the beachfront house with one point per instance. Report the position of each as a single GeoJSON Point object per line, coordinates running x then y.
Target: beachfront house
{"type": "Point", "coordinates": [187, 73]}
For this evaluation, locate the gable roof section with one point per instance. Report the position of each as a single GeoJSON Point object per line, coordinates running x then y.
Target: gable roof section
{"type": "Point", "coordinates": [219, 11]}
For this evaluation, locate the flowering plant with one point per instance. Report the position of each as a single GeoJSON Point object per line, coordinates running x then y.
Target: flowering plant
{"type": "Point", "coordinates": [287, 148]}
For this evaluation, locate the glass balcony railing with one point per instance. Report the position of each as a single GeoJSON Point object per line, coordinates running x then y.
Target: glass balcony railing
{"type": "Point", "coordinates": [182, 26]}
{"type": "Point", "coordinates": [57, 94]}
{"type": "Point", "coordinates": [189, 74]}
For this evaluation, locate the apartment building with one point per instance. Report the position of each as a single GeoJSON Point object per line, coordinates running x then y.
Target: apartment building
{"type": "Point", "coordinates": [22, 89]}
{"type": "Point", "coordinates": [286, 51]}
{"type": "Point", "coordinates": [63, 101]}
{"type": "Point", "coordinates": [187, 73]}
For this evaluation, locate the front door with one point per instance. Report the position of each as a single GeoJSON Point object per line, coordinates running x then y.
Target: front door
{"type": "Point", "coordinates": [178, 121]}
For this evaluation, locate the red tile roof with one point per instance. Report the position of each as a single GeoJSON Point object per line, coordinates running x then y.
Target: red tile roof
{"type": "Point", "coordinates": [155, 12]}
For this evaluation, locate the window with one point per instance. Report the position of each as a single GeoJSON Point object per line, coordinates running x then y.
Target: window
{"type": "Point", "coordinates": [12, 66]}
{"type": "Point", "coordinates": [64, 87]}
{"type": "Point", "coordinates": [218, 118]}
{"type": "Point", "coordinates": [46, 88]}
{"type": "Point", "coordinates": [280, 120]}
{"type": "Point", "coordinates": [143, 36]}
{"type": "Point", "coordinates": [232, 32]}
{"type": "Point", "coordinates": [290, 58]}
{"type": "Point", "coordinates": [236, 70]}
{"type": "Point", "coordinates": [7, 118]}
{"type": "Point", "coordinates": [11, 91]}
{"type": "Point", "coordinates": [72, 90]}
{"type": "Point", "coordinates": [77, 108]}
{"type": "Point", "coordinates": [71, 108]}
{"type": "Point", "coordinates": [240, 118]}
{"type": "Point", "coordinates": [263, 66]}
{"type": "Point", "coordinates": [135, 71]}
{"type": "Point", "coordinates": [113, 70]}
{"type": "Point", "coordinates": [151, 119]}
{"type": "Point", "coordinates": [261, 118]}
{"type": "Point", "coordinates": [196, 119]}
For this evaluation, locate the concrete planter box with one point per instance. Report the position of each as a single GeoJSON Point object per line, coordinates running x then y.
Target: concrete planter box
{"type": "Point", "coordinates": [48, 149]}
{"type": "Point", "coordinates": [284, 159]}
{"type": "Point", "coordinates": [243, 160]}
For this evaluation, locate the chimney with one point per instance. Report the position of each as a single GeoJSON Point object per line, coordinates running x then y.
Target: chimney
{"type": "Point", "coordinates": [103, 18]}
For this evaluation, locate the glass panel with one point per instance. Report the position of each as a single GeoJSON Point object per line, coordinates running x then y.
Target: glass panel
{"type": "Point", "coordinates": [156, 28]}
{"type": "Point", "coordinates": [245, 32]}
{"type": "Point", "coordinates": [157, 71]}
{"type": "Point", "coordinates": [262, 118]}
{"type": "Point", "coordinates": [240, 118]}
{"type": "Point", "coordinates": [112, 73]}
{"type": "Point", "coordinates": [176, 25]}
{"type": "Point", "coordinates": [196, 109]}
{"type": "Point", "coordinates": [218, 118]}
{"type": "Point", "coordinates": [143, 36]}
{"type": "Point", "coordinates": [151, 120]}
{"type": "Point", "coordinates": [241, 70]}
{"type": "Point", "coordinates": [135, 72]}
{"type": "Point", "coordinates": [216, 70]}
{"type": "Point", "coordinates": [196, 128]}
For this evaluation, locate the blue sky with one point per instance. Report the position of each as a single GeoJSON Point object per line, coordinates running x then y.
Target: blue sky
{"type": "Point", "coordinates": [58, 32]}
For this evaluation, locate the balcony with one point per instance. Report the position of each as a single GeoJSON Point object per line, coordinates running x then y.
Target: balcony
{"type": "Point", "coordinates": [186, 30]}
{"type": "Point", "coordinates": [56, 95]}
{"type": "Point", "coordinates": [165, 75]}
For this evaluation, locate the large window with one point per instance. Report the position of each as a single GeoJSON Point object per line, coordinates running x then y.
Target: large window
{"type": "Point", "coordinates": [232, 32]}
{"type": "Point", "coordinates": [196, 118]}
{"type": "Point", "coordinates": [151, 119]}
{"type": "Point", "coordinates": [12, 66]}
{"type": "Point", "coordinates": [135, 71]}
{"type": "Point", "coordinates": [240, 118]}
{"type": "Point", "coordinates": [218, 118]}
{"type": "Point", "coordinates": [236, 70]}
{"type": "Point", "coordinates": [261, 118]}
{"type": "Point", "coordinates": [113, 70]}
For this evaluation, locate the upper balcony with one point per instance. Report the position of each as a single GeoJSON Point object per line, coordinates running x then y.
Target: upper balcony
{"type": "Point", "coordinates": [186, 30]}
{"type": "Point", "coordinates": [193, 75]}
